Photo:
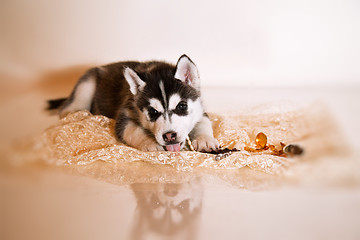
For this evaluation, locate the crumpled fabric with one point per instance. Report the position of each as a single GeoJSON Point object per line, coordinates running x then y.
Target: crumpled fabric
{"type": "Point", "coordinates": [82, 138]}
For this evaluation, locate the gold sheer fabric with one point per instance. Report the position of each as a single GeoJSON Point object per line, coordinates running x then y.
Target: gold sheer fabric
{"type": "Point", "coordinates": [82, 138]}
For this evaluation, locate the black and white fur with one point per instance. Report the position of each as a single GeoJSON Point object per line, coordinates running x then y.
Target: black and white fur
{"type": "Point", "coordinates": [156, 105]}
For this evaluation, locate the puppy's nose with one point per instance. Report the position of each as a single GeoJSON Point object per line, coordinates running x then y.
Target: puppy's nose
{"type": "Point", "coordinates": [169, 137]}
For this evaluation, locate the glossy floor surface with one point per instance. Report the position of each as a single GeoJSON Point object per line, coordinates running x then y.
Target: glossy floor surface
{"type": "Point", "coordinates": [317, 199]}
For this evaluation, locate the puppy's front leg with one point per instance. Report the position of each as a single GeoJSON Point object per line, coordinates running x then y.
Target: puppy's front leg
{"type": "Point", "coordinates": [135, 136]}
{"type": "Point", "coordinates": [203, 136]}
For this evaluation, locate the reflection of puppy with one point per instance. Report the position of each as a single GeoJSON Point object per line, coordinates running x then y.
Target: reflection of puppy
{"type": "Point", "coordinates": [156, 105]}
{"type": "Point", "coordinates": [167, 209]}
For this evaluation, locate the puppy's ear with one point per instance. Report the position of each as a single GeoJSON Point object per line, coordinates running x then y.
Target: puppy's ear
{"type": "Point", "coordinates": [187, 72]}
{"type": "Point", "coordinates": [134, 81]}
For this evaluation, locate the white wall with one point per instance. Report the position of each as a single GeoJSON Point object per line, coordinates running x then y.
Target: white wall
{"type": "Point", "coordinates": [279, 42]}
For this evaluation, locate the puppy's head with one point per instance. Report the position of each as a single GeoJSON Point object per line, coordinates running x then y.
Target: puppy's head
{"type": "Point", "coordinates": [168, 100]}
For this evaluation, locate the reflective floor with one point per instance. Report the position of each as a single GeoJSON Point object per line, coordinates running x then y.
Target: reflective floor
{"type": "Point", "coordinates": [53, 204]}
{"type": "Point", "coordinates": [313, 200]}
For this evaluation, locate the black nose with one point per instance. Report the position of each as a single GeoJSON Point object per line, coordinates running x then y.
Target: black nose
{"type": "Point", "coordinates": [169, 137]}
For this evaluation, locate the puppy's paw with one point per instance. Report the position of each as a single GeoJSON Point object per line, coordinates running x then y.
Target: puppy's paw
{"type": "Point", "coordinates": [150, 146]}
{"type": "Point", "coordinates": [205, 143]}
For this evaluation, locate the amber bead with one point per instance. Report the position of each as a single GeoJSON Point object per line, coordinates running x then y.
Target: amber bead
{"type": "Point", "coordinates": [261, 140]}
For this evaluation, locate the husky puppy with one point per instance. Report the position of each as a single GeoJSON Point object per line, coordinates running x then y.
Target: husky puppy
{"type": "Point", "coordinates": [156, 105]}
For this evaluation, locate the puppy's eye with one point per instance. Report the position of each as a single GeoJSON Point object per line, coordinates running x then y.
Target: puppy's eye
{"type": "Point", "coordinates": [153, 113]}
{"type": "Point", "coordinates": [182, 107]}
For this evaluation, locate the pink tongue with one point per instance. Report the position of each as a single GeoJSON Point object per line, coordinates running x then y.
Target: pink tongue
{"type": "Point", "coordinates": [173, 147]}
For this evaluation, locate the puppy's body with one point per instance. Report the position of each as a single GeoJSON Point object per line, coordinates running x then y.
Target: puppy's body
{"type": "Point", "coordinates": [156, 105]}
